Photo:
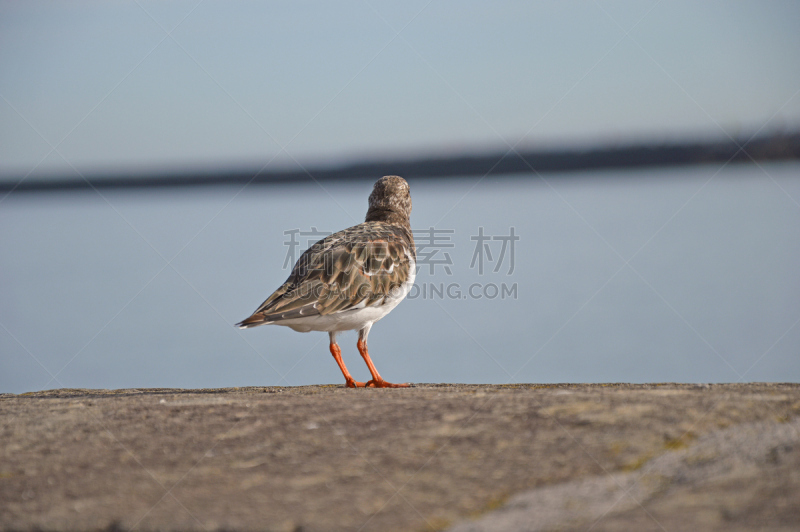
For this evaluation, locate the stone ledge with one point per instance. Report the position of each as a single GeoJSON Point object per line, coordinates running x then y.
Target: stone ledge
{"type": "Point", "coordinates": [330, 458]}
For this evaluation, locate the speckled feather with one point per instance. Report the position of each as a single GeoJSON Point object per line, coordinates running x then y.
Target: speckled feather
{"type": "Point", "coordinates": [362, 266]}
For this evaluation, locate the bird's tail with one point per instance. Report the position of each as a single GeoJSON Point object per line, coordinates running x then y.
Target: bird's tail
{"type": "Point", "coordinates": [253, 321]}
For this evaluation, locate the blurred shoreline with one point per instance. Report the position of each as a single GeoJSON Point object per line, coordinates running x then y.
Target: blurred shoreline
{"type": "Point", "coordinates": [771, 147]}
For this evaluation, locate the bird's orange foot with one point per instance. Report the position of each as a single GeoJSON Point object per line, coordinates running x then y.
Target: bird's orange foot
{"type": "Point", "coordinates": [351, 383]}
{"type": "Point", "coordinates": [383, 384]}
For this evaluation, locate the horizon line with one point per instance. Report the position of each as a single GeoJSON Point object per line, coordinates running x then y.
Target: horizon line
{"type": "Point", "coordinates": [770, 147]}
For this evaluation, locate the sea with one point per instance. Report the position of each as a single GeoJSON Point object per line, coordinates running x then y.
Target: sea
{"type": "Point", "coordinates": [679, 274]}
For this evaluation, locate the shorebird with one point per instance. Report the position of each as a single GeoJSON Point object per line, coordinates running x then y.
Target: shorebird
{"type": "Point", "coordinates": [351, 279]}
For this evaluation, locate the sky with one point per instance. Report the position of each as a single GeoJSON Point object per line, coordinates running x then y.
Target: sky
{"type": "Point", "coordinates": [90, 86]}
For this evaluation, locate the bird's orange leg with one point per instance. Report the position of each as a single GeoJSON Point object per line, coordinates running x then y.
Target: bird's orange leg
{"type": "Point", "coordinates": [349, 380]}
{"type": "Point", "coordinates": [377, 381]}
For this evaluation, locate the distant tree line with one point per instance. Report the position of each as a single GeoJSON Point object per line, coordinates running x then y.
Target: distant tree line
{"type": "Point", "coordinates": [782, 146]}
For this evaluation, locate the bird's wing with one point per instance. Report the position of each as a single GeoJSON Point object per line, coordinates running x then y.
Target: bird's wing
{"type": "Point", "coordinates": [354, 268]}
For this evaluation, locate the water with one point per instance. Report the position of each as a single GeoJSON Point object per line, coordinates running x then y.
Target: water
{"type": "Point", "coordinates": [681, 274]}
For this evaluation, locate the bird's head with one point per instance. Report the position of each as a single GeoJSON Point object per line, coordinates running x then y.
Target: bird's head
{"type": "Point", "coordinates": [390, 201]}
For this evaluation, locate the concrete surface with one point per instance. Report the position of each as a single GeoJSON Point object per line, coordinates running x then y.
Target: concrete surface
{"type": "Point", "coordinates": [471, 457]}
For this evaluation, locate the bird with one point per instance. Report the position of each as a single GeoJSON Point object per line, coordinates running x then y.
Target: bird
{"type": "Point", "coordinates": [351, 279]}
